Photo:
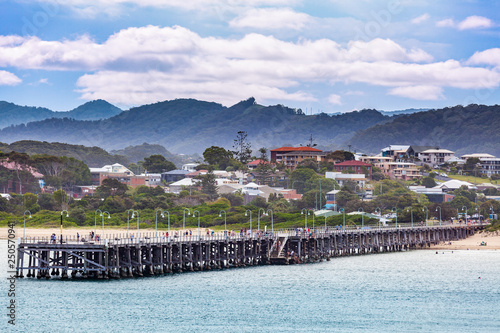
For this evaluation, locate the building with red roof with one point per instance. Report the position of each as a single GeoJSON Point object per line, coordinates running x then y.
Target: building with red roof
{"type": "Point", "coordinates": [356, 166]}
{"type": "Point", "coordinates": [292, 156]}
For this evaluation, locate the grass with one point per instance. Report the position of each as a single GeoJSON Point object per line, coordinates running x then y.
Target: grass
{"type": "Point", "coordinates": [472, 179]}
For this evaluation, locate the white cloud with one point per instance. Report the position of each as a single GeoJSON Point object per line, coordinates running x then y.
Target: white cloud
{"type": "Point", "coordinates": [334, 99]}
{"type": "Point", "coordinates": [445, 23]}
{"type": "Point", "coordinates": [425, 93]}
{"type": "Point", "coordinates": [475, 22]}
{"type": "Point", "coordinates": [420, 19]}
{"type": "Point", "coordinates": [487, 57]}
{"type": "Point", "coordinates": [8, 79]}
{"type": "Point", "coordinates": [148, 64]}
{"type": "Point", "coordinates": [271, 18]}
{"type": "Point", "coordinates": [471, 22]}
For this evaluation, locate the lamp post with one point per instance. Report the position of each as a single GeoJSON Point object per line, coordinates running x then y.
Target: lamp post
{"type": "Point", "coordinates": [184, 219]}
{"type": "Point", "coordinates": [312, 213]}
{"type": "Point", "coordinates": [319, 180]}
{"type": "Point", "coordinates": [109, 216]}
{"type": "Point", "coordinates": [394, 209]}
{"type": "Point", "coordinates": [246, 211]}
{"type": "Point", "coordinates": [168, 218]}
{"type": "Point", "coordinates": [24, 228]}
{"type": "Point", "coordinates": [128, 218]}
{"type": "Point", "coordinates": [272, 220]}
{"type": "Point", "coordinates": [307, 213]}
{"type": "Point", "coordinates": [95, 219]}
{"type": "Point", "coordinates": [67, 215]}
{"type": "Point", "coordinates": [465, 214]}
{"type": "Point", "coordinates": [426, 210]}
{"type": "Point", "coordinates": [199, 232]}
{"type": "Point", "coordinates": [439, 214]}
{"type": "Point", "coordinates": [362, 217]}
{"type": "Point", "coordinates": [411, 210]}
{"type": "Point", "coordinates": [137, 223]}
{"type": "Point", "coordinates": [343, 218]}
{"type": "Point", "coordinates": [258, 216]}
{"type": "Point", "coordinates": [225, 223]}
{"type": "Point", "coordinates": [379, 220]}
{"type": "Point", "coordinates": [156, 220]}
{"type": "Point", "coordinates": [325, 222]}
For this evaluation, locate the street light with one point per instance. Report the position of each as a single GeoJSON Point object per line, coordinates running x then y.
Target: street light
{"type": "Point", "coordinates": [168, 217]}
{"type": "Point", "coordinates": [128, 218]}
{"type": "Point", "coordinates": [109, 216]}
{"type": "Point", "coordinates": [465, 214]}
{"type": "Point", "coordinates": [272, 220]}
{"type": "Point", "coordinates": [184, 219]}
{"type": "Point", "coordinates": [362, 217]}
{"type": "Point", "coordinates": [312, 213]}
{"type": "Point", "coordinates": [199, 232]}
{"type": "Point", "coordinates": [246, 211]}
{"type": "Point", "coordinates": [156, 220]}
{"type": "Point", "coordinates": [411, 210]}
{"type": "Point", "coordinates": [225, 223]}
{"type": "Point", "coordinates": [307, 213]}
{"type": "Point", "coordinates": [319, 195]}
{"type": "Point", "coordinates": [135, 211]}
{"type": "Point", "coordinates": [258, 216]}
{"type": "Point", "coordinates": [439, 214]}
{"type": "Point", "coordinates": [24, 229]}
{"type": "Point", "coordinates": [379, 220]}
{"type": "Point", "coordinates": [95, 220]}
{"type": "Point", "coordinates": [394, 209]}
{"type": "Point", "coordinates": [343, 218]}
{"type": "Point", "coordinates": [426, 210]}
{"type": "Point", "coordinates": [67, 215]}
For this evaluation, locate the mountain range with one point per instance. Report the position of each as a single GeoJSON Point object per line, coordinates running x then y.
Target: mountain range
{"type": "Point", "coordinates": [190, 126]}
{"type": "Point", "coordinates": [12, 114]}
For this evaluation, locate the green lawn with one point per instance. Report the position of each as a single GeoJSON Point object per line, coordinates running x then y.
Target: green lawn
{"type": "Point", "coordinates": [473, 180]}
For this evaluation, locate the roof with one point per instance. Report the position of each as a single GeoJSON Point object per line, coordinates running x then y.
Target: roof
{"type": "Point", "coordinates": [419, 149]}
{"type": "Point", "coordinates": [258, 161]}
{"type": "Point", "coordinates": [15, 166]}
{"type": "Point", "coordinates": [296, 149]}
{"type": "Point", "coordinates": [480, 155]}
{"type": "Point", "coordinates": [396, 147]}
{"type": "Point", "coordinates": [437, 151]}
{"type": "Point", "coordinates": [353, 163]}
{"type": "Point", "coordinates": [454, 184]}
{"type": "Point", "coordinates": [176, 172]}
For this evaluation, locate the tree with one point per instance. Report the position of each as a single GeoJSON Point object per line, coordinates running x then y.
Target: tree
{"type": "Point", "coordinates": [428, 182]}
{"type": "Point", "coordinates": [218, 156]}
{"type": "Point", "coordinates": [111, 186]}
{"type": "Point", "coordinates": [209, 185]}
{"type": "Point", "coordinates": [158, 164]}
{"type": "Point", "coordinates": [242, 147]}
{"type": "Point", "coordinates": [264, 170]}
{"type": "Point", "coordinates": [299, 177]}
{"type": "Point", "coordinates": [471, 164]}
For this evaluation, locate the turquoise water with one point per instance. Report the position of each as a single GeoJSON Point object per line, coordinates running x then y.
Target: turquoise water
{"type": "Point", "coordinates": [417, 291]}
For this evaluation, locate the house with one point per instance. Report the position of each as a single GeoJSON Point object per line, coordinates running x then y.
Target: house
{"type": "Point", "coordinates": [341, 178]}
{"type": "Point", "coordinates": [178, 186]}
{"type": "Point", "coordinates": [479, 155]}
{"type": "Point", "coordinates": [453, 185]}
{"type": "Point", "coordinates": [174, 175]}
{"type": "Point", "coordinates": [290, 194]}
{"type": "Point", "coordinates": [400, 170]}
{"type": "Point", "coordinates": [13, 185]}
{"type": "Point", "coordinates": [374, 159]}
{"type": "Point", "coordinates": [255, 163]}
{"type": "Point", "coordinates": [292, 156]}
{"type": "Point", "coordinates": [434, 194]}
{"type": "Point", "coordinates": [251, 190]}
{"type": "Point", "coordinates": [414, 151]}
{"type": "Point", "coordinates": [357, 167]}
{"type": "Point", "coordinates": [396, 152]}
{"type": "Point", "coordinates": [435, 156]}
{"type": "Point", "coordinates": [190, 167]}
{"type": "Point", "coordinates": [490, 166]}
{"type": "Point", "coordinates": [118, 172]}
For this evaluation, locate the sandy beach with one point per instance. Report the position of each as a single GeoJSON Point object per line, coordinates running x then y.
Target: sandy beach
{"type": "Point", "coordinates": [492, 241]}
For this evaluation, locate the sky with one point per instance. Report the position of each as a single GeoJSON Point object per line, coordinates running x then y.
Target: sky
{"type": "Point", "coordinates": [319, 56]}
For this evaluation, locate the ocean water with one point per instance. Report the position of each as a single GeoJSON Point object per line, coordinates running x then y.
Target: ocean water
{"type": "Point", "coordinates": [417, 291]}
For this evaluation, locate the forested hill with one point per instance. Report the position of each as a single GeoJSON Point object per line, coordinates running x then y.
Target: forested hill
{"type": "Point", "coordinates": [189, 126]}
{"type": "Point", "coordinates": [92, 156]}
{"type": "Point", "coordinates": [470, 129]}
{"type": "Point", "coordinates": [12, 114]}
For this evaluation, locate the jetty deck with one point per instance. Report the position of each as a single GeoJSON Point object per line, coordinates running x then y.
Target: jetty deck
{"type": "Point", "coordinates": [120, 256]}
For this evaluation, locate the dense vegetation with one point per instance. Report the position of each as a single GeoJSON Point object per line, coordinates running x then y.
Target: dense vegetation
{"type": "Point", "coordinates": [470, 129]}
{"type": "Point", "coordinates": [92, 156]}
{"type": "Point", "coordinates": [12, 114]}
{"type": "Point", "coordinates": [180, 125]}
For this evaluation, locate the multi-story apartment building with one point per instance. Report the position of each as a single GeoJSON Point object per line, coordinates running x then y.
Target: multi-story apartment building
{"type": "Point", "coordinates": [400, 170]}
{"type": "Point", "coordinates": [490, 166]}
{"type": "Point", "coordinates": [435, 156]}
{"type": "Point", "coordinates": [292, 156]}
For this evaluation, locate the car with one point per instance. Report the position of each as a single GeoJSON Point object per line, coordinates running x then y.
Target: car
{"type": "Point", "coordinates": [442, 174]}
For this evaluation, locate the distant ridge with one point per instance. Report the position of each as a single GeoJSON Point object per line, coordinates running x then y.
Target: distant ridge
{"type": "Point", "coordinates": [190, 126]}
{"type": "Point", "coordinates": [12, 114]}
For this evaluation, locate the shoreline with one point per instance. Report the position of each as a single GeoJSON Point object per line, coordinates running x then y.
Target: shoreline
{"type": "Point", "coordinates": [473, 242]}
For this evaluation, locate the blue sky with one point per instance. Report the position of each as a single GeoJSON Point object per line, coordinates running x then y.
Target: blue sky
{"type": "Point", "coordinates": [329, 56]}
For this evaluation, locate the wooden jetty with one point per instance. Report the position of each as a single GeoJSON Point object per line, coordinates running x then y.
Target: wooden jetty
{"type": "Point", "coordinates": [119, 256]}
